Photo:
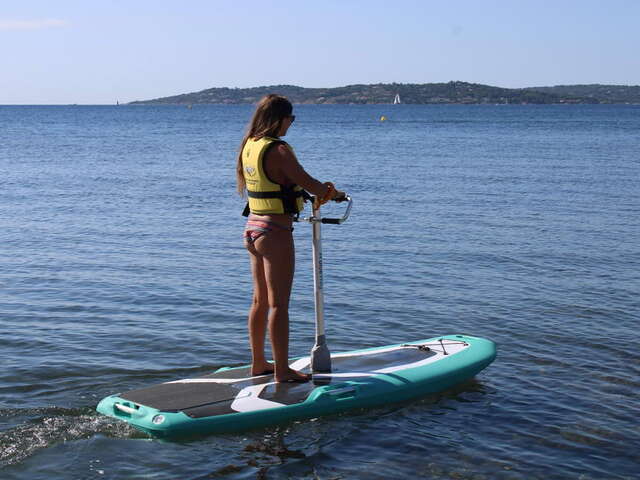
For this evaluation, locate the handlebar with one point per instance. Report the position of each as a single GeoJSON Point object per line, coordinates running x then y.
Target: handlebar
{"type": "Point", "coordinates": [335, 221]}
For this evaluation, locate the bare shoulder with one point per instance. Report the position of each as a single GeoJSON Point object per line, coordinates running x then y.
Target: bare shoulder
{"type": "Point", "coordinates": [279, 162]}
{"type": "Point", "coordinates": [284, 150]}
{"type": "Point", "coordinates": [283, 154]}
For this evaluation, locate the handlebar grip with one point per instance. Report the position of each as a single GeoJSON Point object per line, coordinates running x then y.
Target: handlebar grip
{"type": "Point", "coordinates": [335, 221]}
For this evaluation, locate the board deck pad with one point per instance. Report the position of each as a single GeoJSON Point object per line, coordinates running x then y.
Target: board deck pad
{"type": "Point", "coordinates": [192, 396]}
{"type": "Point", "coordinates": [365, 377]}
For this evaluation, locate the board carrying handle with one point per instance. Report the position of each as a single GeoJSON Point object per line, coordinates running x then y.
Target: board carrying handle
{"type": "Point", "coordinates": [343, 393]}
{"type": "Point", "coordinates": [336, 393]}
{"type": "Point", "coordinates": [131, 411]}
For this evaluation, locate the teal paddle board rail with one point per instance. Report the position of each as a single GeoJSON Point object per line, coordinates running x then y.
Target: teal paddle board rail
{"type": "Point", "coordinates": [231, 400]}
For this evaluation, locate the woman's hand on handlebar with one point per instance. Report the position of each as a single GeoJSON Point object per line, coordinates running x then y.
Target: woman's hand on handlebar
{"type": "Point", "coordinates": [339, 196]}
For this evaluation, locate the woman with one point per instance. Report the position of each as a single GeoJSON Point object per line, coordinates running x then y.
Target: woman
{"type": "Point", "coordinates": [269, 173]}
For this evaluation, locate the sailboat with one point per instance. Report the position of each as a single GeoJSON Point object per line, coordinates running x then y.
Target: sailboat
{"type": "Point", "coordinates": [396, 100]}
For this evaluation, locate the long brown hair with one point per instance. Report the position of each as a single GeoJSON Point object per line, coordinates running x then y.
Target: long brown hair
{"type": "Point", "coordinates": [266, 122]}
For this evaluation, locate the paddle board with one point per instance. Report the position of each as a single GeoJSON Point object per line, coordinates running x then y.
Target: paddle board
{"type": "Point", "coordinates": [230, 399]}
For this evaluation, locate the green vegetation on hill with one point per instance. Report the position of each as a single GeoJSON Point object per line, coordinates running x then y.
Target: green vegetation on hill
{"type": "Point", "coordinates": [601, 93]}
{"type": "Point", "coordinates": [426, 93]}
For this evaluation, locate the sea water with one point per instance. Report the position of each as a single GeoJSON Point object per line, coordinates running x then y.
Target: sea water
{"type": "Point", "coordinates": [121, 266]}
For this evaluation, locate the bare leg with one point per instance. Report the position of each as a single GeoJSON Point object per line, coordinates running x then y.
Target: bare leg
{"type": "Point", "coordinates": [278, 260]}
{"type": "Point", "coordinates": [258, 314]}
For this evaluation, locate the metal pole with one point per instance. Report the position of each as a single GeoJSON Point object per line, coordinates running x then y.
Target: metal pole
{"type": "Point", "coordinates": [320, 356]}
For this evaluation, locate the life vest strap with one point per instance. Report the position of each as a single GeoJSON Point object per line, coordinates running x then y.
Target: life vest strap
{"type": "Point", "coordinates": [288, 196]}
{"type": "Point", "coordinates": [281, 194]}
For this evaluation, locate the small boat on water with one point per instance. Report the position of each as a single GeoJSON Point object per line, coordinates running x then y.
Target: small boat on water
{"type": "Point", "coordinates": [396, 100]}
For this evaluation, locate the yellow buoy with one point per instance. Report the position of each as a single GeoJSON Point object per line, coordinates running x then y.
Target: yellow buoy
{"type": "Point", "coordinates": [383, 118]}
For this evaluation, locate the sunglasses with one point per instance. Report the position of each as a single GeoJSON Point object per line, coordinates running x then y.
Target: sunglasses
{"type": "Point", "coordinates": [293, 118]}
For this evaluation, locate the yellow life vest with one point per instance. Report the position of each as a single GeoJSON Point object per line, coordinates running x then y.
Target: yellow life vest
{"type": "Point", "coordinates": [265, 195]}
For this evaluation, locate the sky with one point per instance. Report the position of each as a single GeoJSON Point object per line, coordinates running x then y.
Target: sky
{"type": "Point", "coordinates": [102, 51]}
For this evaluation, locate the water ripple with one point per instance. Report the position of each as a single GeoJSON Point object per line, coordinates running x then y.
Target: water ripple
{"type": "Point", "coordinates": [122, 266]}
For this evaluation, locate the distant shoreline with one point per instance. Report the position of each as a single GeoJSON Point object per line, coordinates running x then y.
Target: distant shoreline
{"type": "Point", "coordinates": [181, 105]}
{"type": "Point", "coordinates": [458, 93]}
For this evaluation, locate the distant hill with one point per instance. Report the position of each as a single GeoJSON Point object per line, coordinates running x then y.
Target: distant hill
{"type": "Point", "coordinates": [425, 93]}
{"type": "Point", "coordinates": [601, 93]}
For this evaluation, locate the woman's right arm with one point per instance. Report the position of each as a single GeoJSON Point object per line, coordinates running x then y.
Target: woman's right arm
{"type": "Point", "coordinates": [288, 167]}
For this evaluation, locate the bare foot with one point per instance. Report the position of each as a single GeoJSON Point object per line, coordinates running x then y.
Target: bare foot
{"type": "Point", "coordinates": [264, 368]}
{"type": "Point", "coordinates": [293, 376]}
